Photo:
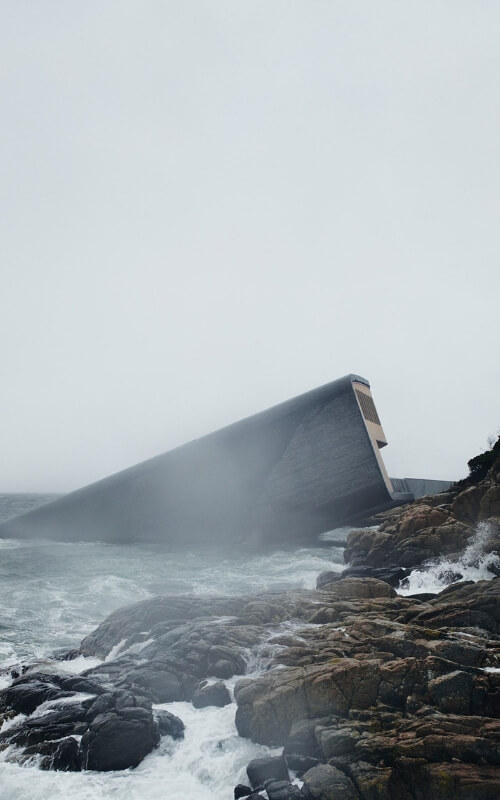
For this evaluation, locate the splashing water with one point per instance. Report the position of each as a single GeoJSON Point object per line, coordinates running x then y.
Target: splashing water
{"type": "Point", "coordinates": [53, 594]}
{"type": "Point", "coordinates": [476, 563]}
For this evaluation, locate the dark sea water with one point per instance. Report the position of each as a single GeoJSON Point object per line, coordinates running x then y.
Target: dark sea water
{"type": "Point", "coordinates": [53, 594]}
{"type": "Point", "coordinates": [11, 505]}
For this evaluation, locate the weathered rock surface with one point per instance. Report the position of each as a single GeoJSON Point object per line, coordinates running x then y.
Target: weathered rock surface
{"type": "Point", "coordinates": [384, 695]}
{"type": "Point", "coordinates": [409, 536]}
{"type": "Point", "coordinates": [373, 688]}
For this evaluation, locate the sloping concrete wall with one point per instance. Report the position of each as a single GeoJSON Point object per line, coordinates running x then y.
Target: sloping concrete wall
{"type": "Point", "coordinates": [290, 472]}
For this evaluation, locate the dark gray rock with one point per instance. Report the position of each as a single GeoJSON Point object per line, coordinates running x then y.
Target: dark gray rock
{"type": "Point", "coordinates": [300, 764]}
{"type": "Point", "coordinates": [213, 694]}
{"type": "Point", "coordinates": [283, 790]}
{"type": "Point", "coordinates": [163, 684]}
{"type": "Point", "coordinates": [169, 724]}
{"type": "Point", "coordinates": [27, 693]}
{"type": "Point", "coordinates": [241, 791]}
{"type": "Point", "coordinates": [119, 741]}
{"type": "Point", "coordinates": [62, 756]}
{"type": "Point", "coordinates": [261, 770]}
{"type": "Point", "coordinates": [325, 782]}
{"type": "Point", "coordinates": [391, 575]}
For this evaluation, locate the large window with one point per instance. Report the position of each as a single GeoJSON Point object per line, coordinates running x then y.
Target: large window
{"type": "Point", "coordinates": [368, 407]}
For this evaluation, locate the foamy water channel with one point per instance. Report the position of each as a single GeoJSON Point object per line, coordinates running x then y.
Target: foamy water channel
{"type": "Point", "coordinates": [52, 595]}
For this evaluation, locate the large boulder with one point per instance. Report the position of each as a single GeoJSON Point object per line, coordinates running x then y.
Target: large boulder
{"type": "Point", "coordinates": [465, 507]}
{"type": "Point", "coordinates": [490, 503]}
{"type": "Point", "coordinates": [169, 724]}
{"type": "Point", "coordinates": [116, 741]}
{"type": "Point", "coordinates": [262, 770]}
{"type": "Point", "coordinates": [325, 782]}
{"type": "Point", "coordinates": [103, 731]}
{"type": "Point", "coordinates": [211, 694]}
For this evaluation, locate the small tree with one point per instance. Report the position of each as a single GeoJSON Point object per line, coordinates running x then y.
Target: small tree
{"type": "Point", "coordinates": [479, 465]}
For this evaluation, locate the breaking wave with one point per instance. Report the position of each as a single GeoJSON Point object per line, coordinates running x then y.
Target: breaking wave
{"type": "Point", "coordinates": [475, 563]}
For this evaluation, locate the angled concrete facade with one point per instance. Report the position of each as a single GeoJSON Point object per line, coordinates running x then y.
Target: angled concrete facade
{"type": "Point", "coordinates": [285, 474]}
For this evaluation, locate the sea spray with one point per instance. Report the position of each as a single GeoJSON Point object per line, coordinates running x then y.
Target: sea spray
{"type": "Point", "coordinates": [475, 563]}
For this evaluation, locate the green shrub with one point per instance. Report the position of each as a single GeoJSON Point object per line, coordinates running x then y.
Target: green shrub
{"type": "Point", "coordinates": [479, 465]}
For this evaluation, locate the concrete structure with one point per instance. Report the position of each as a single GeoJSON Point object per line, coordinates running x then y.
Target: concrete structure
{"type": "Point", "coordinates": [420, 487]}
{"type": "Point", "coordinates": [288, 473]}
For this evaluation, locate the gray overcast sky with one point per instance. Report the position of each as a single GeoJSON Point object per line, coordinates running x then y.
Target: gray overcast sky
{"type": "Point", "coordinates": [209, 207]}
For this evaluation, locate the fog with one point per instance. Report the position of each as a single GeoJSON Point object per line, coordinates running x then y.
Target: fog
{"type": "Point", "coordinates": [209, 207]}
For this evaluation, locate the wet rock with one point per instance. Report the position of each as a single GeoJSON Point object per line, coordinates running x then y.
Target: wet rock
{"type": "Point", "coordinates": [119, 741]}
{"type": "Point", "coordinates": [213, 694]}
{"type": "Point", "coordinates": [417, 535]}
{"type": "Point", "coordinates": [223, 668]}
{"type": "Point", "coordinates": [161, 682]}
{"type": "Point", "coordinates": [66, 757]}
{"type": "Point", "coordinates": [299, 763]}
{"type": "Point", "coordinates": [423, 597]}
{"type": "Point", "coordinates": [61, 755]}
{"type": "Point", "coordinates": [169, 724]}
{"type": "Point", "coordinates": [453, 586]}
{"type": "Point", "coordinates": [283, 790]}
{"type": "Point", "coordinates": [272, 768]}
{"type": "Point", "coordinates": [359, 588]}
{"type": "Point", "coordinates": [47, 727]}
{"type": "Point", "coordinates": [241, 791]}
{"type": "Point", "coordinates": [27, 693]}
{"type": "Point", "coordinates": [325, 578]}
{"type": "Point", "coordinates": [325, 782]}
{"type": "Point", "coordinates": [391, 575]}
{"type": "Point", "coordinates": [116, 728]}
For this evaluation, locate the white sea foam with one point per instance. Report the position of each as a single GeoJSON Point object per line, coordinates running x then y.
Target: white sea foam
{"type": "Point", "coordinates": [205, 765]}
{"type": "Point", "coordinates": [52, 596]}
{"type": "Point", "coordinates": [116, 650]}
{"type": "Point", "coordinates": [79, 664]}
{"type": "Point", "coordinates": [51, 705]}
{"type": "Point", "coordinates": [473, 564]}
{"type": "Point", "coordinates": [11, 722]}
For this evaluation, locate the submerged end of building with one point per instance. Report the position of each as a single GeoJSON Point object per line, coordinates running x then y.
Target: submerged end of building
{"type": "Point", "coordinates": [289, 473]}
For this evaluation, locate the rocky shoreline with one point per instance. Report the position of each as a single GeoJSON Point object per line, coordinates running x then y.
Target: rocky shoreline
{"type": "Point", "coordinates": [371, 694]}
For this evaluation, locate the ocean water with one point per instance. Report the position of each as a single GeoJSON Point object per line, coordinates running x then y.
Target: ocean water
{"type": "Point", "coordinates": [53, 594]}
